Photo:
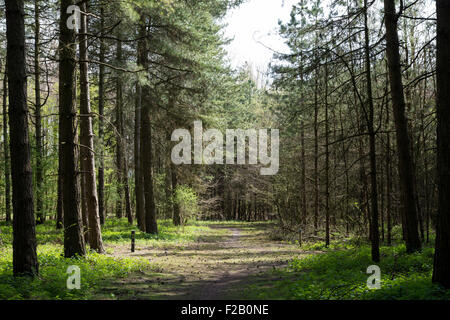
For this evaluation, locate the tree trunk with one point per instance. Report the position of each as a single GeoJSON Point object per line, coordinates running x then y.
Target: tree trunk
{"type": "Point", "coordinates": [374, 232]}
{"type": "Point", "coordinates": [441, 272]}
{"type": "Point", "coordinates": [303, 165]}
{"type": "Point", "coordinates": [139, 190]}
{"type": "Point", "coordinates": [122, 164]}
{"type": "Point", "coordinates": [6, 147]}
{"type": "Point", "coordinates": [101, 108]}
{"type": "Point", "coordinates": [316, 158]}
{"type": "Point", "coordinates": [87, 142]}
{"type": "Point", "coordinates": [38, 134]}
{"type": "Point", "coordinates": [146, 142]}
{"type": "Point", "coordinates": [405, 163]}
{"type": "Point", "coordinates": [176, 208]}
{"type": "Point", "coordinates": [327, 163]}
{"type": "Point", "coordinates": [73, 236]}
{"type": "Point", "coordinates": [59, 204]}
{"type": "Point", "coordinates": [24, 233]}
{"type": "Point", "coordinates": [388, 190]}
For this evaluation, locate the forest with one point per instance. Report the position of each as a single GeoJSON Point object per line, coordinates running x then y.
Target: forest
{"type": "Point", "coordinates": [138, 162]}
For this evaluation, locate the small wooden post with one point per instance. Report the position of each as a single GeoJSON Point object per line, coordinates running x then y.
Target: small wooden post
{"type": "Point", "coordinates": [132, 240]}
{"type": "Point", "coordinates": [300, 237]}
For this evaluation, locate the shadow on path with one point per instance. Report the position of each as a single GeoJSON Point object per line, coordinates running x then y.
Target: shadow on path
{"type": "Point", "coordinates": [216, 267]}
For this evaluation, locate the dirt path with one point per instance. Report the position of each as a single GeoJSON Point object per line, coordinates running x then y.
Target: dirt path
{"type": "Point", "coordinates": [216, 267]}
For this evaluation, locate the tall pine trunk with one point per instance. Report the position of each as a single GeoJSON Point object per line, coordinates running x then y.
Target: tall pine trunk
{"type": "Point", "coordinates": [70, 188]}
{"type": "Point", "coordinates": [405, 163]}
{"type": "Point", "coordinates": [122, 164]}
{"type": "Point", "coordinates": [24, 233]}
{"type": "Point", "coordinates": [374, 232]}
{"type": "Point", "coordinates": [327, 162]}
{"type": "Point", "coordinates": [38, 118]}
{"type": "Point", "coordinates": [87, 144]}
{"type": "Point", "coordinates": [139, 188]}
{"type": "Point", "coordinates": [176, 218]}
{"type": "Point", "coordinates": [7, 173]}
{"type": "Point", "coordinates": [101, 108]}
{"type": "Point", "coordinates": [441, 272]}
{"type": "Point", "coordinates": [146, 141]}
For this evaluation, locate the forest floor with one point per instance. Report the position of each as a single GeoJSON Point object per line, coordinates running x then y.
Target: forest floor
{"type": "Point", "coordinates": [230, 257]}
{"type": "Point", "coordinates": [219, 260]}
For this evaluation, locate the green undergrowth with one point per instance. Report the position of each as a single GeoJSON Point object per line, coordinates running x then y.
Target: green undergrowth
{"type": "Point", "coordinates": [119, 231]}
{"type": "Point", "coordinates": [96, 269]}
{"type": "Point", "coordinates": [51, 283]}
{"type": "Point", "coordinates": [339, 273]}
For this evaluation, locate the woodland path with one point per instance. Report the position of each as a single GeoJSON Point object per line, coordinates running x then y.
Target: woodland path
{"type": "Point", "coordinates": [218, 266]}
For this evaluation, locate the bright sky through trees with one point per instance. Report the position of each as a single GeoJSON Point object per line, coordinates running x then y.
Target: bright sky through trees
{"type": "Point", "coordinates": [253, 22]}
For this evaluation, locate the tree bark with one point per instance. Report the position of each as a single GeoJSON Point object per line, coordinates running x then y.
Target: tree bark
{"type": "Point", "coordinates": [38, 134]}
{"type": "Point", "coordinates": [101, 108]}
{"type": "Point", "coordinates": [441, 272]}
{"type": "Point", "coordinates": [316, 158]}
{"type": "Point", "coordinates": [138, 181]}
{"type": "Point", "coordinates": [176, 207]}
{"type": "Point", "coordinates": [73, 237]}
{"type": "Point", "coordinates": [122, 164]}
{"type": "Point", "coordinates": [146, 142]}
{"type": "Point", "coordinates": [374, 232]}
{"type": "Point", "coordinates": [405, 163]}
{"type": "Point", "coordinates": [327, 163]}
{"type": "Point", "coordinates": [6, 147]}
{"type": "Point", "coordinates": [24, 233]}
{"type": "Point", "coordinates": [87, 142]}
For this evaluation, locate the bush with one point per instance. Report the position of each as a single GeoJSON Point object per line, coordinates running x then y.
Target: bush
{"type": "Point", "coordinates": [187, 201]}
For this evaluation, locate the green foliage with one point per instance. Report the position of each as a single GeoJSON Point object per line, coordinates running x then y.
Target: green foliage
{"type": "Point", "coordinates": [187, 200]}
{"type": "Point", "coordinates": [51, 283]}
{"type": "Point", "coordinates": [96, 269]}
{"type": "Point", "coordinates": [341, 274]}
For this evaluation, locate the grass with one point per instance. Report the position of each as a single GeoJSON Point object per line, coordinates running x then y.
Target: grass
{"type": "Point", "coordinates": [339, 273]}
{"type": "Point", "coordinates": [96, 269]}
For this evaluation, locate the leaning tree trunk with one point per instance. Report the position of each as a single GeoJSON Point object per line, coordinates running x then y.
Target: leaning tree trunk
{"type": "Point", "coordinates": [441, 272]}
{"type": "Point", "coordinates": [405, 163]}
{"type": "Point", "coordinates": [24, 233]}
{"type": "Point", "coordinates": [73, 236]}
{"type": "Point", "coordinates": [87, 142]}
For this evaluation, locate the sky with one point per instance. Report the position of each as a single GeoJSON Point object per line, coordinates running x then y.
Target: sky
{"type": "Point", "coordinates": [253, 21]}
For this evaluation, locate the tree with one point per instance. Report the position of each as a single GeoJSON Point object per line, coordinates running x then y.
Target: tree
{"type": "Point", "coordinates": [24, 234]}
{"type": "Point", "coordinates": [7, 172]}
{"type": "Point", "coordinates": [122, 163]}
{"type": "Point", "coordinates": [87, 143]}
{"type": "Point", "coordinates": [146, 139]}
{"type": "Point", "coordinates": [139, 188]}
{"type": "Point", "coordinates": [405, 163]}
{"type": "Point", "coordinates": [374, 232]}
{"type": "Point", "coordinates": [38, 118]}
{"type": "Point", "coordinates": [73, 235]}
{"type": "Point", "coordinates": [101, 108]}
{"type": "Point", "coordinates": [442, 253]}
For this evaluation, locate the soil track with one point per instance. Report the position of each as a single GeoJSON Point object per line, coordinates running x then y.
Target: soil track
{"type": "Point", "coordinates": [218, 266]}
